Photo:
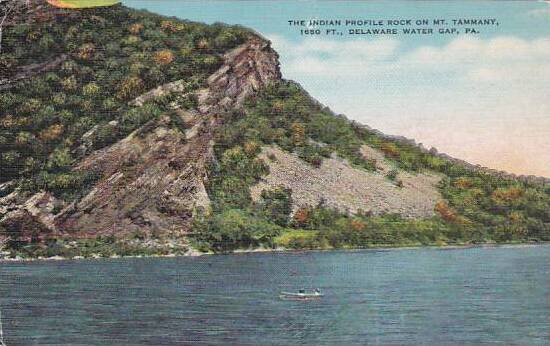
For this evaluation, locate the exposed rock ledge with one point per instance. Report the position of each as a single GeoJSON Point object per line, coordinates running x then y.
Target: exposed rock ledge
{"type": "Point", "coordinates": [246, 69]}
{"type": "Point", "coordinates": [28, 71]}
{"type": "Point", "coordinates": [153, 180]}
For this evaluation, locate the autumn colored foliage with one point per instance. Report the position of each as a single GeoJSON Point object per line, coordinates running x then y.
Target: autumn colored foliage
{"type": "Point", "coordinates": [301, 217]}
{"type": "Point", "coordinates": [507, 195]}
{"type": "Point", "coordinates": [130, 87]}
{"type": "Point", "coordinates": [51, 133]}
{"type": "Point", "coordinates": [135, 28]}
{"type": "Point", "coordinates": [298, 133]}
{"type": "Point", "coordinates": [164, 57]}
{"type": "Point", "coordinates": [390, 150]}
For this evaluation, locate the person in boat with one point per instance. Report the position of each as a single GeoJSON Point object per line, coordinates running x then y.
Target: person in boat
{"type": "Point", "coordinates": [302, 291]}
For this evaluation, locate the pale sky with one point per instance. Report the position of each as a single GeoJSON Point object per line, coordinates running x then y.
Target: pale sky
{"type": "Point", "coordinates": [484, 98]}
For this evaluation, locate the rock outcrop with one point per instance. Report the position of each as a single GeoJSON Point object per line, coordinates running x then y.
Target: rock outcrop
{"type": "Point", "coordinates": [246, 69]}
{"type": "Point", "coordinates": [28, 71]}
{"type": "Point", "coordinates": [152, 181]}
{"type": "Point", "coordinates": [29, 218]}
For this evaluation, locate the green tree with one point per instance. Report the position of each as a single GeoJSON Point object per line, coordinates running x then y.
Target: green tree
{"type": "Point", "coordinates": [276, 205]}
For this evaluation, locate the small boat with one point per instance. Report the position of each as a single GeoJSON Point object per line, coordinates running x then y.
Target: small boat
{"type": "Point", "coordinates": [302, 295]}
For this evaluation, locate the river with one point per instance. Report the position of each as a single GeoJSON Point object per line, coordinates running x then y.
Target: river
{"type": "Point", "coordinates": [429, 296]}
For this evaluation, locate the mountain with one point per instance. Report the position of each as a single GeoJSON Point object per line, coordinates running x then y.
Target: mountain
{"type": "Point", "coordinates": [127, 133]}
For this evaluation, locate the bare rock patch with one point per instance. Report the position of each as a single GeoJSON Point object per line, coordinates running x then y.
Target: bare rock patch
{"type": "Point", "coordinates": [346, 188]}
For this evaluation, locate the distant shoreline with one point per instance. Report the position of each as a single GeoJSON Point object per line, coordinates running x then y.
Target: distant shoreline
{"type": "Point", "coordinates": [196, 253]}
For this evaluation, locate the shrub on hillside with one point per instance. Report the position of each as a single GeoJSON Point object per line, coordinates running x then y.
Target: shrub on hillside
{"type": "Point", "coordinates": [164, 57]}
{"type": "Point", "coordinates": [130, 87]}
{"type": "Point", "coordinates": [276, 205]}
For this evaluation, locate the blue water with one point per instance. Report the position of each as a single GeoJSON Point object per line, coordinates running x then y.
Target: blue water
{"type": "Point", "coordinates": [405, 297]}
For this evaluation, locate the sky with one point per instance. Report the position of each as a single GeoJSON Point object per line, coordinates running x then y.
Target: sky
{"type": "Point", "coordinates": [480, 97]}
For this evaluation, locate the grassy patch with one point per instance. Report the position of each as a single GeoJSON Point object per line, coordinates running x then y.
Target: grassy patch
{"type": "Point", "coordinates": [297, 239]}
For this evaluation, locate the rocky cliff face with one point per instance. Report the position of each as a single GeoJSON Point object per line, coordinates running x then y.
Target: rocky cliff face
{"type": "Point", "coordinates": [150, 181]}
{"type": "Point", "coordinates": [153, 180]}
{"type": "Point", "coordinates": [247, 69]}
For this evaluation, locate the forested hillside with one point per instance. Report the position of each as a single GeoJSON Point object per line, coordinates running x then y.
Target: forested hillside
{"type": "Point", "coordinates": [475, 207]}
{"type": "Point", "coordinates": [123, 132]}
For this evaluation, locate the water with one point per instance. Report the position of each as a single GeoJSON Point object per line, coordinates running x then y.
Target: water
{"type": "Point", "coordinates": [413, 296]}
